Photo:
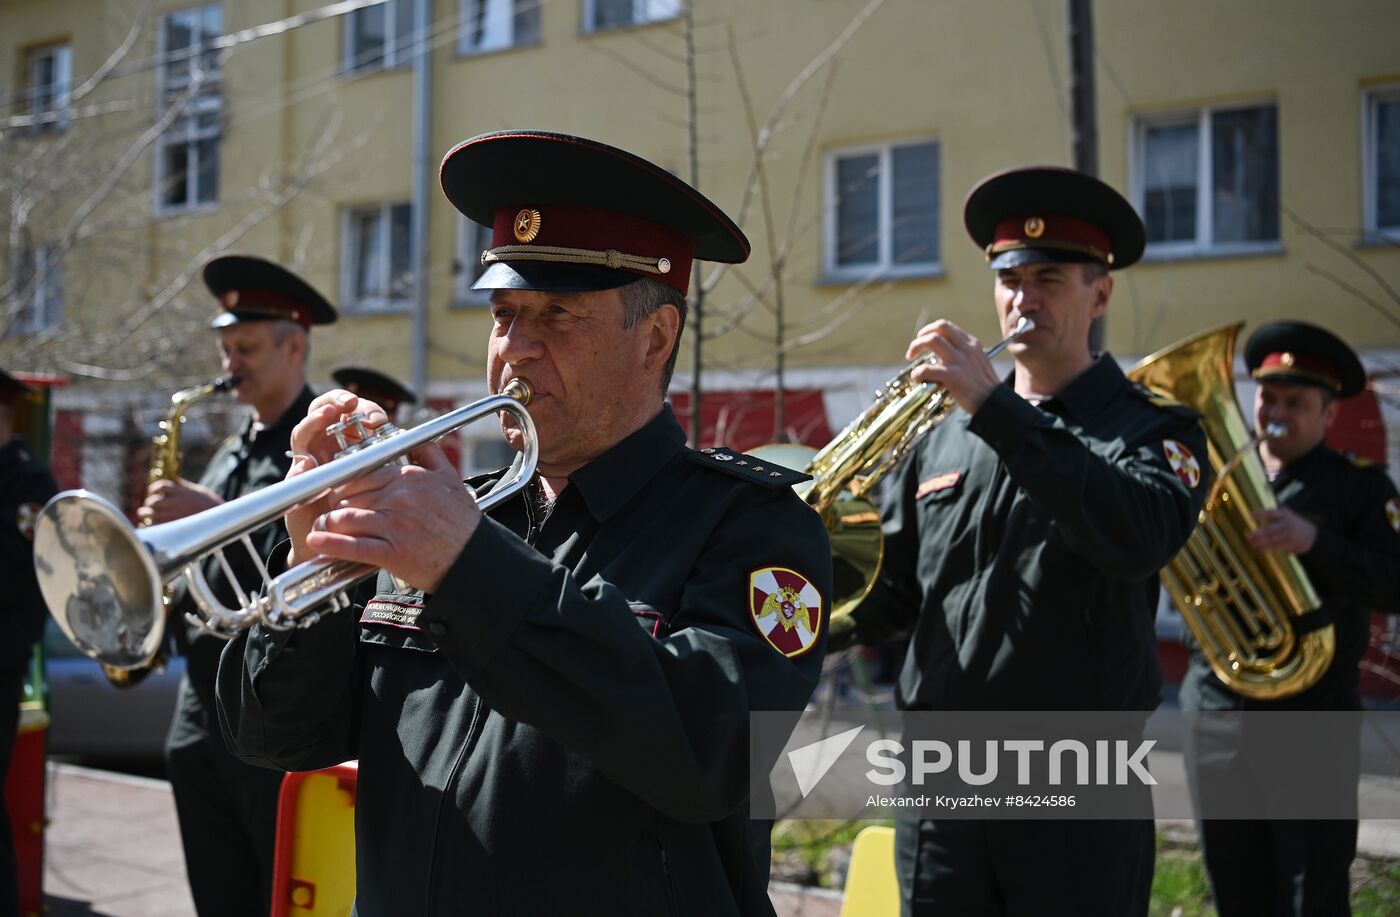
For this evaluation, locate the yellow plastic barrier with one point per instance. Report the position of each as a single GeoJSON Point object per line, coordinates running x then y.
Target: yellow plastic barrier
{"type": "Point", "coordinates": [871, 887]}
{"type": "Point", "coordinates": [313, 870]}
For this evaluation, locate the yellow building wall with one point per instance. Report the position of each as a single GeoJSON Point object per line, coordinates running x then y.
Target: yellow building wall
{"type": "Point", "coordinates": [986, 78]}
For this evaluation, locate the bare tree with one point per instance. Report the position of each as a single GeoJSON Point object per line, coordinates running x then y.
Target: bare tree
{"type": "Point", "coordinates": [78, 195]}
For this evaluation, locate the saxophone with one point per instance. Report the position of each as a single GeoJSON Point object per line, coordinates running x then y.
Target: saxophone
{"type": "Point", "coordinates": [165, 466]}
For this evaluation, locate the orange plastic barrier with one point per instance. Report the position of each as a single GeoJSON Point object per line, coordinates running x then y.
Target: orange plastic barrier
{"type": "Point", "coordinates": [314, 861]}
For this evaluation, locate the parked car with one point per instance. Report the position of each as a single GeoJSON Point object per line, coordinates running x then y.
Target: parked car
{"type": "Point", "coordinates": [90, 717]}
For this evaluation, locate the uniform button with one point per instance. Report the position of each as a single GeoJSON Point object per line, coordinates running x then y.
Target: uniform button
{"type": "Point", "coordinates": [437, 628]}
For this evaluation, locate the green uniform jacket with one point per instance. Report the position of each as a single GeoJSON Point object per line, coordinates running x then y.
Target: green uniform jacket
{"type": "Point", "coordinates": [1023, 544]}
{"type": "Point", "coordinates": [1354, 565]}
{"type": "Point", "coordinates": [563, 726]}
{"type": "Point", "coordinates": [25, 486]}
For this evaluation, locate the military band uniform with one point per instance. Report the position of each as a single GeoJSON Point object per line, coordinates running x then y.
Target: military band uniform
{"type": "Point", "coordinates": [563, 726]}
{"type": "Point", "coordinates": [1023, 541]}
{"type": "Point", "coordinates": [25, 486]}
{"type": "Point", "coordinates": [227, 809]}
{"type": "Point", "coordinates": [1304, 866]}
{"type": "Point", "coordinates": [1022, 550]}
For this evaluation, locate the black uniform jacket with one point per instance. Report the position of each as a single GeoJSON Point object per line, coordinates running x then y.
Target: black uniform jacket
{"type": "Point", "coordinates": [25, 486]}
{"type": "Point", "coordinates": [563, 726]}
{"type": "Point", "coordinates": [1354, 565]}
{"type": "Point", "coordinates": [243, 464]}
{"type": "Point", "coordinates": [1023, 544]}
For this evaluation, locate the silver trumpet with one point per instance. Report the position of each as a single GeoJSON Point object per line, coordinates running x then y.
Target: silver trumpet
{"type": "Point", "coordinates": [103, 578]}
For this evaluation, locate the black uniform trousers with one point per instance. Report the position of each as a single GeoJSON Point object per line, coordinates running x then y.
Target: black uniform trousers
{"type": "Point", "coordinates": [991, 868]}
{"type": "Point", "coordinates": [1279, 868]}
{"type": "Point", "coordinates": [227, 812]}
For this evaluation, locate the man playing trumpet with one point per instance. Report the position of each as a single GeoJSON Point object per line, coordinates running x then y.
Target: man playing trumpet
{"type": "Point", "coordinates": [554, 713]}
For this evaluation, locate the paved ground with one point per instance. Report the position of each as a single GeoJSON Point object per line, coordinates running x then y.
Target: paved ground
{"type": "Point", "coordinates": [113, 850]}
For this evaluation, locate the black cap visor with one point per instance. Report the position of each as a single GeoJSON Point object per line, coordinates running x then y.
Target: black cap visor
{"type": "Point", "coordinates": [1017, 257]}
{"type": "Point", "coordinates": [549, 277]}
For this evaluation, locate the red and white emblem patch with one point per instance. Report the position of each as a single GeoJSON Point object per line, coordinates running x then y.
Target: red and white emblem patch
{"type": "Point", "coordinates": [1392, 513]}
{"type": "Point", "coordinates": [25, 519]}
{"type": "Point", "coordinates": [1182, 462]}
{"type": "Point", "coordinates": [786, 609]}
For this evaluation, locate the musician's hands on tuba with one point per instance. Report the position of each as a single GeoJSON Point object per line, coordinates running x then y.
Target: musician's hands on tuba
{"type": "Point", "coordinates": [411, 519]}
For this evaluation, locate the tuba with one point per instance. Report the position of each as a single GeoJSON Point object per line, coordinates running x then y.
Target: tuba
{"type": "Point", "coordinates": [165, 466]}
{"type": "Point", "coordinates": [103, 578]}
{"type": "Point", "coordinates": [1241, 606]}
{"type": "Point", "coordinates": [849, 467]}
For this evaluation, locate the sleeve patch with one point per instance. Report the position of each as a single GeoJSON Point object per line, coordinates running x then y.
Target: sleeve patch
{"type": "Point", "coordinates": [1182, 462]}
{"type": "Point", "coordinates": [24, 519]}
{"type": "Point", "coordinates": [1392, 513]}
{"type": "Point", "coordinates": [786, 608]}
{"type": "Point", "coordinates": [758, 471]}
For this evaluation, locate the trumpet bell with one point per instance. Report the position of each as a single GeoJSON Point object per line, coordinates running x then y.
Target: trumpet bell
{"type": "Point", "coordinates": [99, 579]}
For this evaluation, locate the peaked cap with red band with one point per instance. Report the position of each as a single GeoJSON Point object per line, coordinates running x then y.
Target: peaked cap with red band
{"type": "Point", "coordinates": [568, 214]}
{"type": "Point", "coordinates": [1298, 352]}
{"type": "Point", "coordinates": [384, 391]}
{"type": "Point", "coordinates": [11, 388]}
{"type": "Point", "coordinates": [1039, 214]}
{"type": "Point", "coordinates": [253, 289]}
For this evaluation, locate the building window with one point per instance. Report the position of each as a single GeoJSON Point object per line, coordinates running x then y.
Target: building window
{"type": "Point", "coordinates": [491, 25]}
{"type": "Point", "coordinates": [1206, 181]}
{"type": "Point", "coordinates": [187, 152]}
{"type": "Point", "coordinates": [377, 260]}
{"type": "Point", "coordinates": [50, 87]}
{"type": "Point", "coordinates": [379, 37]}
{"type": "Point", "coordinates": [41, 286]}
{"type": "Point", "coordinates": [882, 211]}
{"type": "Point", "coordinates": [600, 15]}
{"type": "Point", "coordinates": [472, 240]}
{"type": "Point", "coordinates": [1382, 167]}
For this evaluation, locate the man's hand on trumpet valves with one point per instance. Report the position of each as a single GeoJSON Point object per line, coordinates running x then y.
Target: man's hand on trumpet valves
{"type": "Point", "coordinates": [412, 520]}
{"type": "Point", "coordinates": [962, 368]}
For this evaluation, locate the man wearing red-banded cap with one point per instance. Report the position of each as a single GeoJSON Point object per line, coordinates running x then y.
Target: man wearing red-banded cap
{"type": "Point", "coordinates": [228, 809]}
{"type": "Point", "coordinates": [1023, 541]}
{"type": "Point", "coordinates": [1340, 514]}
{"type": "Point", "coordinates": [550, 703]}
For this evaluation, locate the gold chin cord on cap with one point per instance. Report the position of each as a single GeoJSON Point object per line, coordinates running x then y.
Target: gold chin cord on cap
{"type": "Point", "coordinates": [560, 255]}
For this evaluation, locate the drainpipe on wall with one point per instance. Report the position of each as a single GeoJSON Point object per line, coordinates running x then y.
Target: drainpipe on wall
{"type": "Point", "coordinates": [420, 178]}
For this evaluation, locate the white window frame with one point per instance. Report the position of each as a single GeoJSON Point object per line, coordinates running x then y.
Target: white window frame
{"type": "Point", "coordinates": [55, 96]}
{"type": "Point", "coordinates": [208, 101]}
{"type": "Point", "coordinates": [883, 266]}
{"type": "Point", "coordinates": [396, 54]}
{"type": "Point", "coordinates": [644, 12]}
{"type": "Point", "coordinates": [506, 23]}
{"type": "Point", "coordinates": [44, 307]}
{"type": "Point", "coordinates": [1203, 245]}
{"type": "Point", "coordinates": [390, 303]}
{"type": "Point", "coordinates": [1370, 98]}
{"type": "Point", "coordinates": [471, 242]}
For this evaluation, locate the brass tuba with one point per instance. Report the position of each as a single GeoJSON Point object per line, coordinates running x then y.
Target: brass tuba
{"type": "Point", "coordinates": [849, 467]}
{"type": "Point", "coordinates": [1240, 605]}
{"type": "Point", "coordinates": [165, 466]}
